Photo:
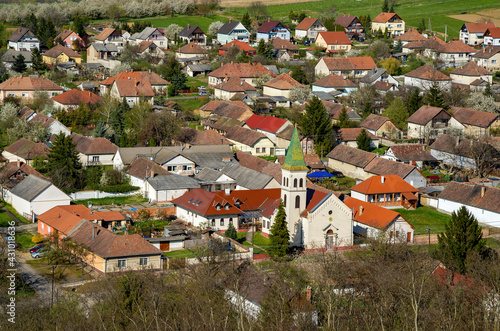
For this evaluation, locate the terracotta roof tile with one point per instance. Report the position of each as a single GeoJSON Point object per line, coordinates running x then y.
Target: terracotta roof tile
{"type": "Point", "coordinates": [471, 195]}
{"type": "Point", "coordinates": [426, 113]}
{"type": "Point", "coordinates": [473, 117]}
{"type": "Point", "coordinates": [428, 73]}
{"type": "Point", "coordinates": [370, 214]}
{"type": "Point", "coordinates": [478, 27]}
{"type": "Point", "coordinates": [345, 20]}
{"type": "Point", "coordinates": [106, 33]}
{"type": "Point", "coordinates": [235, 84]}
{"type": "Point", "coordinates": [392, 184]}
{"type": "Point", "coordinates": [374, 122]}
{"type": "Point", "coordinates": [349, 63]}
{"type": "Point", "coordinates": [142, 167]}
{"type": "Point", "coordinates": [279, 43]}
{"type": "Point", "coordinates": [10, 170]}
{"type": "Point", "coordinates": [209, 137]}
{"type": "Point", "coordinates": [350, 134]}
{"type": "Point", "coordinates": [144, 45]}
{"type": "Point", "coordinates": [487, 52]}
{"type": "Point", "coordinates": [493, 33]}
{"type": "Point", "coordinates": [452, 145]}
{"type": "Point", "coordinates": [256, 163]}
{"type": "Point", "coordinates": [381, 166]}
{"type": "Point", "coordinates": [241, 70]}
{"type": "Point", "coordinates": [242, 46]}
{"type": "Point", "coordinates": [245, 136]}
{"type": "Point", "coordinates": [269, 123]}
{"type": "Point", "coordinates": [333, 80]}
{"type": "Point", "coordinates": [76, 97]}
{"type": "Point", "coordinates": [410, 35]}
{"type": "Point", "coordinates": [471, 69]}
{"type": "Point", "coordinates": [283, 82]}
{"type": "Point", "coordinates": [19, 33]}
{"type": "Point", "coordinates": [384, 17]}
{"type": "Point", "coordinates": [29, 84]}
{"type": "Point", "coordinates": [64, 34]}
{"type": "Point", "coordinates": [89, 146]}
{"type": "Point", "coordinates": [383, 86]}
{"type": "Point", "coordinates": [335, 37]}
{"type": "Point", "coordinates": [455, 46]}
{"type": "Point", "coordinates": [134, 88]}
{"type": "Point", "coordinates": [192, 48]}
{"type": "Point", "coordinates": [306, 23]}
{"type": "Point", "coordinates": [59, 49]}
{"type": "Point", "coordinates": [351, 155]}
{"type": "Point", "coordinates": [28, 149]}
{"type": "Point", "coordinates": [413, 152]}
{"type": "Point", "coordinates": [151, 77]}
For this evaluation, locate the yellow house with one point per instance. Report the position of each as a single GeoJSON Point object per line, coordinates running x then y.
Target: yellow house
{"type": "Point", "coordinates": [389, 22]}
{"type": "Point", "coordinates": [61, 54]}
{"type": "Point", "coordinates": [333, 41]}
{"type": "Point", "coordinates": [250, 141]}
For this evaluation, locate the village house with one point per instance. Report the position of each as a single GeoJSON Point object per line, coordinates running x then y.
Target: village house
{"type": "Point", "coordinates": [270, 126]}
{"type": "Point", "coordinates": [23, 40]}
{"type": "Point", "coordinates": [213, 180]}
{"type": "Point", "coordinates": [488, 58]}
{"type": "Point", "coordinates": [227, 89]}
{"type": "Point", "coordinates": [10, 56]}
{"type": "Point", "coordinates": [72, 99]}
{"type": "Point", "coordinates": [352, 25]}
{"type": "Point", "coordinates": [260, 165]}
{"type": "Point", "coordinates": [430, 122]}
{"type": "Point", "coordinates": [250, 141]}
{"type": "Point", "coordinates": [390, 23]}
{"type": "Point", "coordinates": [249, 179]}
{"type": "Point", "coordinates": [110, 36]}
{"type": "Point", "coordinates": [60, 54]}
{"type": "Point", "coordinates": [333, 82]}
{"type": "Point", "coordinates": [70, 39]}
{"type": "Point", "coordinates": [388, 191]}
{"type": "Point", "coordinates": [472, 33]}
{"type": "Point", "coordinates": [454, 53]}
{"type": "Point", "coordinates": [26, 87]}
{"type": "Point", "coordinates": [272, 29]}
{"type": "Point", "coordinates": [94, 151]}
{"type": "Point", "coordinates": [280, 86]}
{"type": "Point", "coordinates": [378, 75]}
{"type": "Point", "coordinates": [284, 50]}
{"type": "Point", "coordinates": [246, 71]}
{"type": "Point", "coordinates": [134, 91]}
{"type": "Point", "coordinates": [470, 75]}
{"type": "Point", "coordinates": [162, 189]}
{"type": "Point", "coordinates": [453, 151]}
{"type": "Point", "coordinates": [12, 174]}
{"type": "Point", "coordinates": [348, 136]}
{"type": "Point", "coordinates": [194, 70]}
{"type": "Point", "coordinates": [148, 48]}
{"type": "Point", "coordinates": [206, 137]}
{"type": "Point", "coordinates": [408, 172]}
{"type": "Point", "coordinates": [236, 110]}
{"type": "Point", "coordinates": [309, 28]}
{"type": "Point", "coordinates": [350, 161]}
{"type": "Point", "coordinates": [373, 222]}
{"type": "Point", "coordinates": [333, 41]}
{"type": "Point", "coordinates": [240, 45]}
{"type": "Point", "coordinates": [103, 54]}
{"type": "Point", "coordinates": [425, 77]}
{"type": "Point", "coordinates": [25, 150]}
{"type": "Point", "coordinates": [423, 48]}
{"type": "Point", "coordinates": [414, 154]}
{"type": "Point", "coordinates": [34, 196]}
{"type": "Point", "coordinates": [54, 126]}
{"type": "Point", "coordinates": [347, 67]}
{"type": "Point", "coordinates": [156, 82]}
{"type": "Point", "coordinates": [408, 37]}
{"type": "Point", "coordinates": [475, 123]}
{"type": "Point", "coordinates": [151, 34]}
{"type": "Point", "coordinates": [191, 50]}
{"type": "Point", "coordinates": [492, 37]}
{"type": "Point", "coordinates": [232, 30]}
{"type": "Point", "coordinates": [380, 126]}
{"type": "Point", "coordinates": [193, 33]}
{"type": "Point", "coordinates": [481, 201]}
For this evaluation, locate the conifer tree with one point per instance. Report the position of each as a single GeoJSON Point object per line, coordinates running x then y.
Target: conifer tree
{"type": "Point", "coordinates": [462, 236]}
{"type": "Point", "coordinates": [397, 113]}
{"type": "Point", "coordinates": [415, 101]}
{"type": "Point", "coordinates": [19, 65]}
{"type": "Point", "coordinates": [343, 120]}
{"type": "Point", "coordinates": [421, 26]}
{"type": "Point", "coordinates": [363, 141]}
{"type": "Point", "coordinates": [245, 20]}
{"type": "Point", "coordinates": [367, 110]}
{"type": "Point", "coordinates": [279, 235]}
{"type": "Point", "coordinates": [317, 124]}
{"type": "Point", "coordinates": [385, 7]}
{"type": "Point", "coordinates": [391, 10]}
{"type": "Point", "coordinates": [399, 47]}
{"type": "Point", "coordinates": [37, 60]}
{"type": "Point", "coordinates": [63, 162]}
{"type": "Point", "coordinates": [231, 232]}
{"type": "Point", "coordinates": [487, 90]}
{"type": "Point", "coordinates": [434, 97]}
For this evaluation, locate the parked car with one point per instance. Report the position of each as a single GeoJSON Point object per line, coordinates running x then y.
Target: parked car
{"type": "Point", "coordinates": [306, 43]}
{"type": "Point", "coordinates": [202, 88]}
{"type": "Point", "coordinates": [203, 93]}
{"type": "Point", "coordinates": [37, 247]}
{"type": "Point", "coordinates": [39, 253]}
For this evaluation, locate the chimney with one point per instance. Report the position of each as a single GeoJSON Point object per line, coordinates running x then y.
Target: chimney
{"type": "Point", "coordinates": [360, 210]}
{"type": "Point", "coordinates": [19, 164]}
{"type": "Point", "coordinates": [382, 179]}
{"type": "Point", "coordinates": [309, 294]}
{"type": "Point", "coordinates": [152, 173]}
{"type": "Point", "coordinates": [227, 191]}
{"type": "Point", "coordinates": [483, 191]}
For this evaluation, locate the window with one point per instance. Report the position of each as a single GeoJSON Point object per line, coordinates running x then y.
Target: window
{"type": "Point", "coordinates": [122, 263]}
{"type": "Point", "coordinates": [295, 182]}
{"type": "Point", "coordinates": [284, 181]}
{"type": "Point", "coordinates": [213, 222]}
{"type": "Point", "coordinates": [25, 95]}
{"type": "Point", "coordinates": [297, 201]}
{"type": "Point", "coordinates": [54, 94]}
{"type": "Point", "coordinates": [231, 220]}
{"type": "Point", "coordinates": [48, 229]}
{"type": "Point", "coordinates": [263, 149]}
{"type": "Point", "coordinates": [301, 182]}
{"type": "Point", "coordinates": [284, 200]}
{"type": "Point", "coordinates": [187, 167]}
{"type": "Point", "coordinates": [257, 150]}
{"type": "Point", "coordinates": [493, 61]}
{"type": "Point", "coordinates": [143, 261]}
{"type": "Point", "coordinates": [221, 222]}
{"type": "Point", "coordinates": [12, 95]}
{"type": "Point", "coordinates": [130, 100]}
{"type": "Point", "coordinates": [42, 225]}
{"type": "Point", "coordinates": [95, 158]}
{"type": "Point", "coordinates": [172, 168]}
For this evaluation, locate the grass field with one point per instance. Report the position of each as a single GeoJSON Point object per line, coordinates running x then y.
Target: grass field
{"type": "Point", "coordinates": [181, 20]}
{"type": "Point", "coordinates": [61, 272]}
{"type": "Point", "coordinates": [178, 254]}
{"type": "Point", "coordinates": [110, 201]}
{"type": "Point", "coordinates": [24, 239]}
{"type": "Point", "coordinates": [191, 104]}
{"type": "Point", "coordinates": [13, 211]}
{"type": "Point", "coordinates": [4, 219]}
{"type": "Point", "coordinates": [424, 217]}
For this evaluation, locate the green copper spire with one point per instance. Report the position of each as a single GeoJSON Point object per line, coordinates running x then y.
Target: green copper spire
{"type": "Point", "coordinates": [294, 159]}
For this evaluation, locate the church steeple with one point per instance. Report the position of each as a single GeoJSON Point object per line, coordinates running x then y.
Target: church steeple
{"type": "Point", "coordinates": [294, 159]}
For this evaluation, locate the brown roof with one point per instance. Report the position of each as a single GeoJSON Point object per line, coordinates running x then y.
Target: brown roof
{"type": "Point", "coordinates": [374, 122]}
{"type": "Point", "coordinates": [335, 37]}
{"type": "Point", "coordinates": [413, 152]}
{"type": "Point", "coordinates": [107, 244]}
{"type": "Point", "coordinates": [29, 84]}
{"type": "Point", "coordinates": [59, 49]}
{"type": "Point", "coordinates": [236, 110]}
{"type": "Point", "coordinates": [64, 34]}
{"type": "Point", "coordinates": [269, 25]}
{"type": "Point", "coordinates": [242, 46]}
{"type": "Point", "coordinates": [215, 104]}
{"type": "Point", "coordinates": [19, 33]}
{"type": "Point", "coordinates": [471, 69]}
{"type": "Point", "coordinates": [242, 70]}
{"type": "Point", "coordinates": [487, 52]}
{"type": "Point", "coordinates": [134, 88]}
{"type": "Point", "coordinates": [144, 45]}
{"type": "Point", "coordinates": [473, 117]}
{"type": "Point", "coordinates": [192, 48]}
{"type": "Point", "coordinates": [383, 86]}
{"type": "Point", "coordinates": [225, 124]}
{"type": "Point", "coordinates": [142, 168]}
{"type": "Point", "coordinates": [478, 27]}
{"type": "Point", "coordinates": [89, 146]}
{"type": "Point", "coordinates": [493, 33]}
{"type": "Point", "coordinates": [426, 113]}
{"type": "Point", "coordinates": [287, 132]}
{"type": "Point", "coordinates": [151, 77]}
{"type": "Point", "coordinates": [76, 97]}
{"type": "Point", "coordinates": [306, 23]}
{"type": "Point", "coordinates": [333, 80]}
{"type": "Point", "coordinates": [350, 134]}
{"type": "Point", "coordinates": [471, 195]}
{"type": "Point", "coordinates": [256, 163]}
{"type": "Point", "coordinates": [455, 46]}
{"type": "Point", "coordinates": [345, 20]}
{"type": "Point", "coordinates": [235, 84]}
{"type": "Point", "coordinates": [333, 108]}
{"type": "Point", "coordinates": [28, 149]}
{"type": "Point", "coordinates": [106, 33]}
{"type": "Point", "coordinates": [245, 136]}
{"type": "Point", "coordinates": [209, 137]}
{"type": "Point", "coordinates": [452, 145]}
{"type": "Point", "coordinates": [279, 43]}
{"type": "Point", "coordinates": [428, 73]}
{"type": "Point", "coordinates": [15, 168]}
{"type": "Point", "coordinates": [43, 119]}
{"type": "Point", "coordinates": [283, 82]}
{"type": "Point", "coordinates": [384, 17]}
{"type": "Point", "coordinates": [351, 155]}
{"type": "Point", "coordinates": [25, 112]}
{"type": "Point", "coordinates": [410, 35]}
{"type": "Point", "coordinates": [349, 63]}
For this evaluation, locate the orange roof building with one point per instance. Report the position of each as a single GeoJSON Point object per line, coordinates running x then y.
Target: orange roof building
{"type": "Point", "coordinates": [309, 28]}
{"type": "Point", "coordinates": [355, 67]}
{"type": "Point", "coordinates": [473, 33]}
{"type": "Point", "coordinates": [391, 23]}
{"type": "Point", "coordinates": [386, 191]}
{"type": "Point", "coordinates": [73, 98]}
{"type": "Point", "coordinates": [280, 86]}
{"type": "Point", "coordinates": [333, 41]}
{"type": "Point", "coordinates": [242, 47]}
{"type": "Point", "coordinates": [246, 71]}
{"type": "Point", "coordinates": [25, 88]}
{"type": "Point", "coordinates": [426, 76]}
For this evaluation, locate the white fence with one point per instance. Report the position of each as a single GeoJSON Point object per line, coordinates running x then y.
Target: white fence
{"type": "Point", "coordinates": [85, 195]}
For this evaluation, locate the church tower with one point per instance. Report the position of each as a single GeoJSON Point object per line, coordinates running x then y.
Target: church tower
{"type": "Point", "coordinates": [293, 188]}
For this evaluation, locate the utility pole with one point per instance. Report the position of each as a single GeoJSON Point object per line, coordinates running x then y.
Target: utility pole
{"type": "Point", "coordinates": [445, 32]}
{"type": "Point", "coordinates": [429, 233]}
{"type": "Point", "coordinates": [52, 290]}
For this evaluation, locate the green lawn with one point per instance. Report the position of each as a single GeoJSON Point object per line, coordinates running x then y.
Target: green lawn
{"type": "Point", "coordinates": [61, 272]}
{"type": "Point", "coordinates": [381, 150]}
{"type": "Point", "coordinates": [191, 104]}
{"type": "Point", "coordinates": [346, 181]}
{"type": "Point", "coordinates": [182, 20]}
{"type": "Point", "coordinates": [4, 219]}
{"type": "Point", "coordinates": [493, 243]}
{"type": "Point", "coordinates": [13, 211]}
{"type": "Point", "coordinates": [109, 201]}
{"type": "Point", "coordinates": [24, 239]}
{"type": "Point", "coordinates": [178, 254]}
{"type": "Point", "coordinates": [424, 217]}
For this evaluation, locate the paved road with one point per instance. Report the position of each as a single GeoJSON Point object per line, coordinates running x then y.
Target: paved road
{"type": "Point", "coordinates": [40, 284]}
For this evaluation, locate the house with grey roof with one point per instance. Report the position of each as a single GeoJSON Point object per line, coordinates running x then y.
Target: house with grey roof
{"type": "Point", "coordinates": [150, 34]}
{"type": "Point", "coordinates": [198, 69]}
{"type": "Point", "coordinates": [166, 188]}
{"type": "Point", "coordinates": [193, 33]}
{"type": "Point", "coordinates": [9, 58]}
{"type": "Point", "coordinates": [34, 196]}
{"type": "Point", "coordinates": [23, 40]}
{"type": "Point", "coordinates": [233, 30]}
{"type": "Point", "coordinates": [212, 180]}
{"type": "Point", "coordinates": [249, 179]}
{"type": "Point", "coordinates": [377, 75]}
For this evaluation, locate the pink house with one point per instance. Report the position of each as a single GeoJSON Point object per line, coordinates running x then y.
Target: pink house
{"type": "Point", "coordinates": [68, 38]}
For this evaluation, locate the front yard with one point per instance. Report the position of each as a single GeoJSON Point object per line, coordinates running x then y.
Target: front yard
{"type": "Point", "coordinates": [425, 217]}
{"type": "Point", "coordinates": [112, 201]}
{"type": "Point", "coordinates": [62, 272]}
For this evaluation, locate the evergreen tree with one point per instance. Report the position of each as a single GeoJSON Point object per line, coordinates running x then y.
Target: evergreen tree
{"type": "Point", "coordinates": [269, 51]}
{"type": "Point", "coordinates": [421, 26]}
{"type": "Point", "coordinates": [63, 162]}
{"type": "Point", "coordinates": [37, 60]}
{"type": "Point", "coordinates": [19, 65]}
{"type": "Point", "coordinates": [415, 101]}
{"type": "Point", "coordinates": [245, 20]}
{"type": "Point", "coordinates": [391, 10]}
{"type": "Point", "coordinates": [397, 113]}
{"type": "Point", "coordinates": [399, 47]}
{"type": "Point", "coordinates": [279, 235]}
{"type": "Point", "coordinates": [367, 110]}
{"type": "Point", "coordinates": [343, 120]}
{"type": "Point", "coordinates": [487, 90]}
{"type": "Point", "coordinates": [117, 121]}
{"type": "Point", "coordinates": [363, 141]}
{"type": "Point", "coordinates": [261, 48]}
{"type": "Point", "coordinates": [462, 236]}
{"type": "Point", "coordinates": [299, 75]}
{"type": "Point", "coordinates": [434, 97]}
{"type": "Point", "coordinates": [4, 74]}
{"type": "Point", "coordinates": [317, 124]}
{"type": "Point", "coordinates": [231, 232]}
{"type": "Point", "coordinates": [100, 130]}
{"type": "Point", "coordinates": [385, 7]}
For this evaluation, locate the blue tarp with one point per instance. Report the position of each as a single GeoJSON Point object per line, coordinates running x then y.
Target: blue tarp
{"type": "Point", "coordinates": [320, 174]}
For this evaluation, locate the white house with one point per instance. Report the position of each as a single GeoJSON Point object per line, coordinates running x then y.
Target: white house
{"type": "Point", "coordinates": [23, 40]}
{"type": "Point", "coordinates": [492, 37]}
{"type": "Point", "coordinates": [309, 27]}
{"type": "Point", "coordinates": [425, 77]}
{"type": "Point", "coordinates": [472, 33]}
{"type": "Point", "coordinates": [273, 29]}
{"type": "Point", "coordinates": [453, 151]}
{"type": "Point", "coordinates": [34, 196]}
{"type": "Point", "coordinates": [167, 188]}
{"type": "Point", "coordinates": [233, 30]}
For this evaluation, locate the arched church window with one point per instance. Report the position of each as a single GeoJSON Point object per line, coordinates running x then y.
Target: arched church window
{"type": "Point", "coordinates": [297, 201]}
{"type": "Point", "coordinates": [295, 182]}
{"type": "Point", "coordinates": [301, 183]}
{"type": "Point", "coordinates": [284, 200]}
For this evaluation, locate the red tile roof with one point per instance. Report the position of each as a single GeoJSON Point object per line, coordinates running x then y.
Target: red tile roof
{"type": "Point", "coordinates": [59, 49]}
{"type": "Point", "coordinates": [242, 70]}
{"type": "Point", "coordinates": [487, 52]}
{"type": "Point", "coordinates": [333, 80]}
{"type": "Point", "coordinates": [271, 124]}
{"type": "Point", "coordinates": [410, 35]}
{"type": "Point", "coordinates": [428, 73]}
{"type": "Point", "coordinates": [493, 33]}
{"type": "Point", "coordinates": [283, 82]}
{"type": "Point", "coordinates": [455, 46]}
{"type": "Point", "coordinates": [28, 149]}
{"type": "Point", "coordinates": [349, 63]}
{"type": "Point", "coordinates": [106, 33]}
{"type": "Point", "coordinates": [350, 134]}
{"type": "Point", "coordinates": [256, 163]}
{"type": "Point", "coordinates": [392, 184]}
{"type": "Point", "coordinates": [351, 155]}
{"type": "Point", "coordinates": [370, 214]}
{"type": "Point", "coordinates": [134, 88]}
{"type": "Point", "coordinates": [335, 37]}
{"type": "Point", "coordinates": [29, 84]}
{"type": "Point", "coordinates": [384, 17]}
{"type": "Point", "coordinates": [89, 146]}
{"type": "Point", "coordinates": [279, 43]}
{"type": "Point", "coordinates": [471, 69]}
{"type": "Point", "coordinates": [345, 20]}
{"type": "Point", "coordinates": [205, 203]}
{"type": "Point", "coordinates": [473, 117]}
{"type": "Point", "coordinates": [209, 137]}
{"type": "Point", "coordinates": [245, 136]}
{"type": "Point", "coordinates": [144, 45]}
{"type": "Point", "coordinates": [192, 48]}
{"type": "Point", "coordinates": [426, 113]}
{"type": "Point", "coordinates": [11, 168]}
{"type": "Point", "coordinates": [76, 97]}
{"type": "Point", "coordinates": [142, 167]}
{"type": "Point", "coordinates": [254, 120]}
{"type": "Point", "coordinates": [235, 84]}
{"type": "Point", "coordinates": [374, 122]}
{"type": "Point", "coordinates": [478, 27]}
{"type": "Point", "coordinates": [306, 23]}
{"type": "Point", "coordinates": [380, 166]}
{"type": "Point", "coordinates": [151, 77]}
{"type": "Point", "coordinates": [242, 46]}
{"type": "Point", "coordinates": [383, 86]}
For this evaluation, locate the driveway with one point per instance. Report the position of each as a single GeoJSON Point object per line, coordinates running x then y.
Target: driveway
{"type": "Point", "coordinates": [40, 284]}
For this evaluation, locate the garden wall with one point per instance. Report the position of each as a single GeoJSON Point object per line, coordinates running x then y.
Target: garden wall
{"type": "Point", "coordinates": [85, 195]}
